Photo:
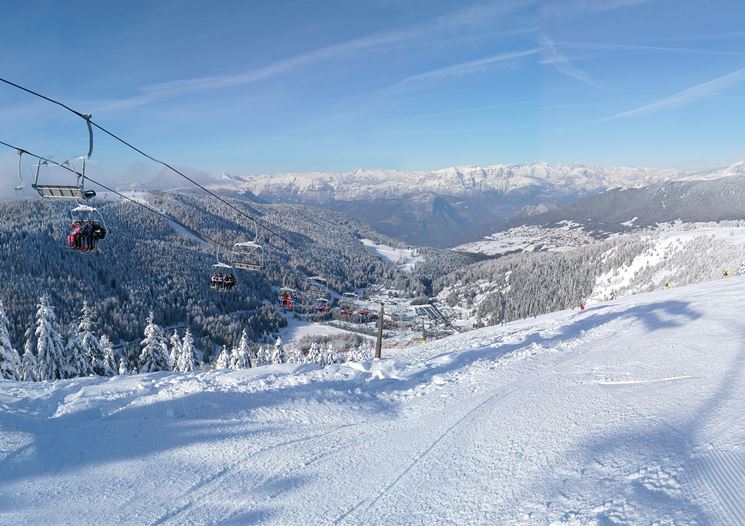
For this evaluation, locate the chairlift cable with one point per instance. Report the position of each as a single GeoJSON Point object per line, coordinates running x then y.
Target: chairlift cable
{"type": "Point", "coordinates": [123, 196]}
{"type": "Point", "coordinates": [90, 122]}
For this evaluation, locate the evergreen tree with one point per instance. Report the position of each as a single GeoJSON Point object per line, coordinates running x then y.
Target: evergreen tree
{"type": "Point", "coordinates": [10, 362]}
{"type": "Point", "coordinates": [77, 361]}
{"type": "Point", "coordinates": [154, 354]}
{"type": "Point", "coordinates": [243, 352]}
{"type": "Point", "coordinates": [278, 354]}
{"type": "Point", "coordinates": [296, 355]}
{"type": "Point", "coordinates": [123, 369]}
{"type": "Point", "coordinates": [223, 359]}
{"type": "Point", "coordinates": [91, 345]}
{"type": "Point", "coordinates": [186, 358]}
{"type": "Point", "coordinates": [264, 356]}
{"type": "Point", "coordinates": [50, 351]}
{"type": "Point", "coordinates": [329, 354]}
{"type": "Point", "coordinates": [175, 350]}
{"type": "Point", "coordinates": [110, 367]}
{"type": "Point", "coordinates": [29, 365]}
{"type": "Point", "coordinates": [314, 353]}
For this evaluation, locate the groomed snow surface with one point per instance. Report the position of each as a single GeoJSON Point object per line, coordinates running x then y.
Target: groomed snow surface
{"type": "Point", "coordinates": [631, 412]}
{"type": "Point", "coordinates": [404, 258]}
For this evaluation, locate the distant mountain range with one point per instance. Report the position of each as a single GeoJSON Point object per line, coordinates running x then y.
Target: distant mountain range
{"type": "Point", "coordinates": [710, 196]}
{"type": "Point", "coordinates": [444, 207]}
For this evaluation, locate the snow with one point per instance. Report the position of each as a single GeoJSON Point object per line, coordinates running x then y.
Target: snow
{"type": "Point", "coordinates": [631, 412]}
{"type": "Point", "coordinates": [405, 258]}
{"type": "Point", "coordinates": [676, 249]}
{"type": "Point", "coordinates": [460, 180]}
{"type": "Point", "coordinates": [529, 239]}
{"type": "Point", "coordinates": [297, 329]}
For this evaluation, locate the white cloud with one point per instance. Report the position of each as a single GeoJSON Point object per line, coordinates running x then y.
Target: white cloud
{"type": "Point", "coordinates": [687, 95]}
{"type": "Point", "coordinates": [465, 68]}
{"type": "Point", "coordinates": [643, 47]}
{"type": "Point", "coordinates": [480, 17]}
{"type": "Point", "coordinates": [574, 8]}
{"type": "Point", "coordinates": [561, 63]}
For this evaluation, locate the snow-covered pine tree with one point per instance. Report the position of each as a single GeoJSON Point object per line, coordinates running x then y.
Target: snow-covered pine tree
{"type": "Point", "coordinates": [110, 367]}
{"type": "Point", "coordinates": [29, 365]}
{"type": "Point", "coordinates": [329, 354]}
{"type": "Point", "coordinates": [242, 353]}
{"type": "Point", "coordinates": [91, 345]}
{"type": "Point", "coordinates": [154, 354]}
{"type": "Point", "coordinates": [265, 355]}
{"type": "Point", "coordinates": [76, 358]}
{"type": "Point", "coordinates": [223, 359]}
{"type": "Point", "coordinates": [186, 358]}
{"type": "Point", "coordinates": [278, 353]}
{"type": "Point", "coordinates": [314, 353]}
{"type": "Point", "coordinates": [123, 369]}
{"type": "Point", "coordinates": [50, 351]}
{"type": "Point", "coordinates": [10, 362]}
{"type": "Point", "coordinates": [295, 355]}
{"type": "Point", "coordinates": [175, 350]}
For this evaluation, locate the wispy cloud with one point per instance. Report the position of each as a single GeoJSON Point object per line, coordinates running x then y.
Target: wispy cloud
{"type": "Point", "coordinates": [734, 35]}
{"type": "Point", "coordinates": [687, 95]}
{"type": "Point", "coordinates": [574, 8]}
{"type": "Point", "coordinates": [562, 64]}
{"type": "Point", "coordinates": [478, 18]}
{"type": "Point", "coordinates": [602, 46]}
{"type": "Point", "coordinates": [482, 108]}
{"type": "Point", "coordinates": [464, 68]}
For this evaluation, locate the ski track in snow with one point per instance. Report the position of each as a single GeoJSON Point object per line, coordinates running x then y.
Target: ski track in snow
{"type": "Point", "coordinates": [632, 412]}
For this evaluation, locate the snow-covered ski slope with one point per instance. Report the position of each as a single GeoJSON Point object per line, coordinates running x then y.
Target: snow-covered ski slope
{"type": "Point", "coordinates": [631, 412]}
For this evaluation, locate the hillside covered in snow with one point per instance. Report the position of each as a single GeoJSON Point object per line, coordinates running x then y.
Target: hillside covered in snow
{"type": "Point", "coordinates": [542, 273]}
{"type": "Point", "coordinates": [631, 412]}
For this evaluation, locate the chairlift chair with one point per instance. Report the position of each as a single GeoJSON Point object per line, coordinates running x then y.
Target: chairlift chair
{"type": "Point", "coordinates": [247, 255]}
{"type": "Point", "coordinates": [322, 306]}
{"type": "Point", "coordinates": [287, 297]}
{"type": "Point", "coordinates": [87, 228]}
{"type": "Point", "coordinates": [67, 191]}
{"type": "Point", "coordinates": [349, 300]}
{"type": "Point", "coordinates": [316, 286]}
{"type": "Point", "coordinates": [223, 277]}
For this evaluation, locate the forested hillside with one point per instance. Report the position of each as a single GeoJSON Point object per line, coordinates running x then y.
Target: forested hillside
{"type": "Point", "coordinates": [148, 263]}
{"type": "Point", "coordinates": [527, 284]}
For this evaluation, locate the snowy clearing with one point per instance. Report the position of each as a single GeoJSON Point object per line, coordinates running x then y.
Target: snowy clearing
{"type": "Point", "coordinates": [297, 329]}
{"type": "Point", "coordinates": [631, 412]}
{"type": "Point", "coordinates": [404, 258]}
{"type": "Point", "coordinates": [528, 239]}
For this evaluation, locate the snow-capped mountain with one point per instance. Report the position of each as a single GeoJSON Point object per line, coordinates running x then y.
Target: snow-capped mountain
{"type": "Point", "coordinates": [707, 196]}
{"type": "Point", "coordinates": [448, 206]}
{"type": "Point", "coordinates": [464, 180]}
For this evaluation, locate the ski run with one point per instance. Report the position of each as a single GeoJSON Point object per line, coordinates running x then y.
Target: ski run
{"type": "Point", "coordinates": [630, 412]}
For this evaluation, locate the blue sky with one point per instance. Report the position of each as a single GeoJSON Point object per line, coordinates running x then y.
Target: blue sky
{"type": "Point", "coordinates": [252, 87]}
